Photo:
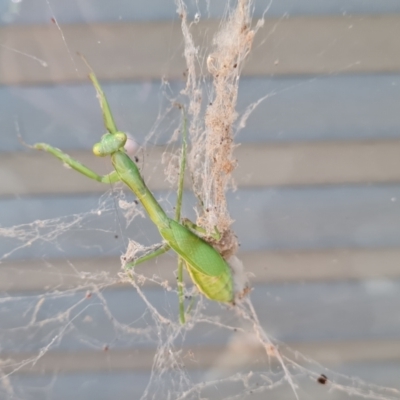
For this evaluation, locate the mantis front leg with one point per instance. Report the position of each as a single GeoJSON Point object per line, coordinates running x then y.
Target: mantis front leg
{"type": "Point", "coordinates": [112, 177]}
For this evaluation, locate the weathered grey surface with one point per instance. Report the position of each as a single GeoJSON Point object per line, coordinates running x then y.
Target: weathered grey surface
{"type": "Point", "coordinates": [317, 210]}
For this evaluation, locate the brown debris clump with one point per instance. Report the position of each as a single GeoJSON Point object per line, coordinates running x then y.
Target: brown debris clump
{"type": "Point", "coordinates": [211, 160]}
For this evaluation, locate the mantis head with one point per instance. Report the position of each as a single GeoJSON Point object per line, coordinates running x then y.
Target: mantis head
{"type": "Point", "coordinates": [110, 143]}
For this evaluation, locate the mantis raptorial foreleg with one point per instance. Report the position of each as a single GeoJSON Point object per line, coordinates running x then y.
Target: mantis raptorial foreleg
{"type": "Point", "coordinates": [112, 177]}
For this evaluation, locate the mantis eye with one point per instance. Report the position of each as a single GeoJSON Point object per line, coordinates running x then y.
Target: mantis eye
{"type": "Point", "coordinates": [97, 150]}
{"type": "Point", "coordinates": [120, 139]}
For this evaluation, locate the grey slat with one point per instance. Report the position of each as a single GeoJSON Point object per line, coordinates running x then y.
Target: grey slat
{"type": "Point", "coordinates": [356, 107]}
{"type": "Point", "coordinates": [128, 385]}
{"type": "Point", "coordinates": [141, 360]}
{"type": "Point", "coordinates": [266, 219]}
{"type": "Point", "coordinates": [264, 267]}
{"type": "Point", "coordinates": [309, 314]}
{"type": "Point", "coordinates": [367, 44]}
{"type": "Point", "coordinates": [36, 12]}
{"type": "Point", "coordinates": [321, 163]}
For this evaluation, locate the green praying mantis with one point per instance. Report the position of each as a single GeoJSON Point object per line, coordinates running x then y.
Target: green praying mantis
{"type": "Point", "coordinates": [209, 271]}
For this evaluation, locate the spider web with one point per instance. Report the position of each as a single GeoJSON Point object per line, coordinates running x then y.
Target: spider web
{"type": "Point", "coordinates": [112, 320]}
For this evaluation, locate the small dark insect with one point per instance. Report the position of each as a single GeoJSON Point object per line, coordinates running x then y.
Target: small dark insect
{"type": "Point", "coordinates": [322, 379]}
{"type": "Point", "coordinates": [235, 65]}
{"type": "Point", "coordinates": [136, 159]}
{"type": "Point", "coordinates": [116, 236]}
{"type": "Point", "coordinates": [136, 202]}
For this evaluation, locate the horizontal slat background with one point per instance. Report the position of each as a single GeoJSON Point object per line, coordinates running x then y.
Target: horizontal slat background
{"type": "Point", "coordinates": [285, 54]}
{"type": "Point", "coordinates": [317, 208]}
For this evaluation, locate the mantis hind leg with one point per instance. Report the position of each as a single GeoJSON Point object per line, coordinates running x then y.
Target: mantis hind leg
{"type": "Point", "coordinates": [178, 213]}
{"type": "Point", "coordinates": [161, 250]}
